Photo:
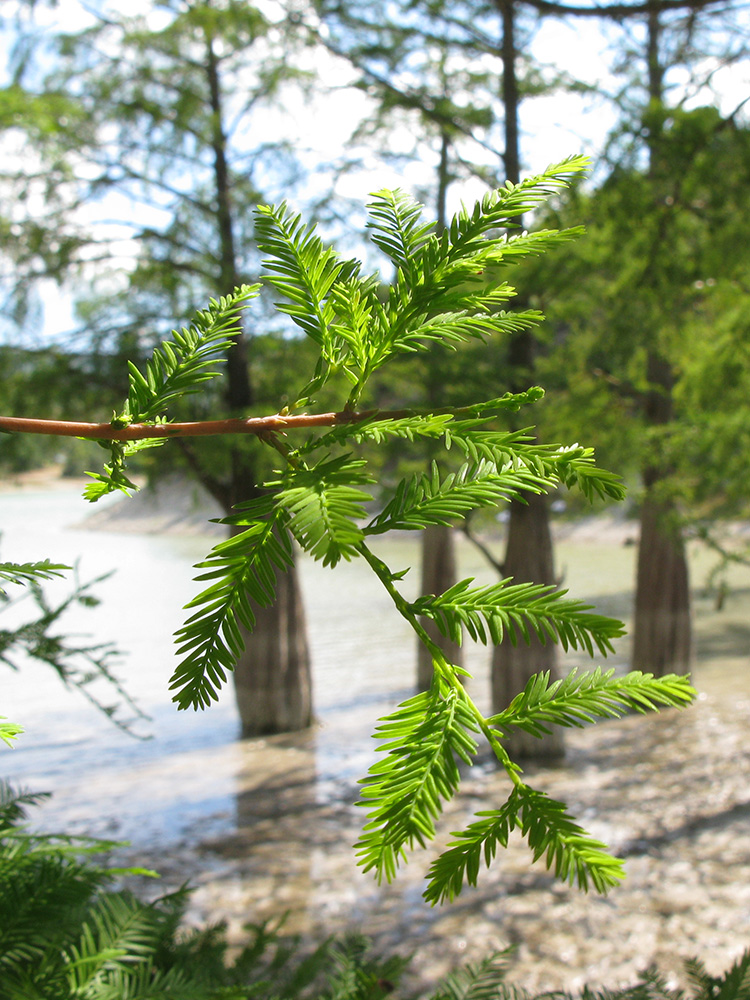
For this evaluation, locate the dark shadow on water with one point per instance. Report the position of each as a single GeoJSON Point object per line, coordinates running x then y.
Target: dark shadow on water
{"type": "Point", "coordinates": [690, 829]}
{"type": "Point", "coordinates": [616, 605]}
{"type": "Point", "coordinates": [731, 640]}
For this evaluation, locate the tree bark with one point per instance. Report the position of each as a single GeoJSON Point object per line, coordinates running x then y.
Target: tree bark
{"type": "Point", "coordinates": [272, 677]}
{"type": "Point", "coordinates": [529, 554]}
{"type": "Point", "coordinates": [529, 559]}
{"type": "Point", "coordinates": [511, 96]}
{"type": "Point", "coordinates": [438, 574]}
{"type": "Point", "coordinates": [662, 631]}
{"type": "Point", "coordinates": [662, 636]}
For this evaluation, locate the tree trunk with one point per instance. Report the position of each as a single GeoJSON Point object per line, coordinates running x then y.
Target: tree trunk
{"type": "Point", "coordinates": [529, 559]}
{"type": "Point", "coordinates": [438, 542]}
{"type": "Point", "coordinates": [529, 555]}
{"type": "Point", "coordinates": [662, 634]}
{"type": "Point", "coordinates": [438, 574]}
{"type": "Point", "coordinates": [511, 94]}
{"type": "Point", "coordinates": [662, 631]}
{"type": "Point", "coordinates": [272, 677]}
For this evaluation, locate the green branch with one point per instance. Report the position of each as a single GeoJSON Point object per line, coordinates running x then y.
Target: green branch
{"type": "Point", "coordinates": [447, 289]}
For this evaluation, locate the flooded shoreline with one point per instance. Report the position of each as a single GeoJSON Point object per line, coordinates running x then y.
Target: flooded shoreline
{"type": "Point", "coordinates": [264, 826]}
{"type": "Point", "coordinates": [669, 795]}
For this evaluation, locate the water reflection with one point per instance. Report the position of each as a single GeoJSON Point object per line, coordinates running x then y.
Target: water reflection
{"type": "Point", "coordinates": [666, 794]}
{"type": "Point", "coordinates": [261, 826]}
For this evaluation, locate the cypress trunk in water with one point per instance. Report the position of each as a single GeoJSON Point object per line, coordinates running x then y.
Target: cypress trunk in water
{"type": "Point", "coordinates": [528, 559]}
{"type": "Point", "coordinates": [438, 575]}
{"type": "Point", "coordinates": [662, 634]}
{"type": "Point", "coordinates": [272, 680]}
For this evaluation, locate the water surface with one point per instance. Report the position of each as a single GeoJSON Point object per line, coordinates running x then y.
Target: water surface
{"type": "Point", "coordinates": [265, 825]}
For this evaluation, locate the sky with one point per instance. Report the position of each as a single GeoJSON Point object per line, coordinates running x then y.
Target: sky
{"type": "Point", "coordinates": [552, 127]}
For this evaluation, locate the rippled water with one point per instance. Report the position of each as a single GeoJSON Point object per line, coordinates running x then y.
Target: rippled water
{"type": "Point", "coordinates": [266, 825]}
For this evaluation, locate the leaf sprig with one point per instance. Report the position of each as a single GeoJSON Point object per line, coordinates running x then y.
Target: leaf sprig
{"type": "Point", "coordinates": [423, 742]}
{"type": "Point", "coordinates": [177, 368]}
{"type": "Point", "coordinates": [324, 505]}
{"type": "Point", "coordinates": [24, 573]}
{"type": "Point", "coordinates": [551, 833]}
{"type": "Point", "coordinates": [243, 570]}
{"type": "Point", "coordinates": [446, 289]}
{"type": "Point", "coordinates": [506, 609]}
{"type": "Point", "coordinates": [581, 698]}
{"type": "Point", "coordinates": [427, 500]}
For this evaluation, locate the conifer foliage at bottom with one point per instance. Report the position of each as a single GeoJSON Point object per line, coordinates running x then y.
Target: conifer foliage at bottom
{"type": "Point", "coordinates": [65, 933]}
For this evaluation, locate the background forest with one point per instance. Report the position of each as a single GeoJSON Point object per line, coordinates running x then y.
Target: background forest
{"type": "Point", "coordinates": [137, 144]}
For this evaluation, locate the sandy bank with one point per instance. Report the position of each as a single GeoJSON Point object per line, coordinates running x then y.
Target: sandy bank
{"type": "Point", "coordinates": [180, 506]}
{"type": "Point", "coordinates": [177, 505]}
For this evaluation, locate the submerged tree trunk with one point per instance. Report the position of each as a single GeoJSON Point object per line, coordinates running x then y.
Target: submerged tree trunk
{"type": "Point", "coordinates": [438, 574]}
{"type": "Point", "coordinates": [529, 555]}
{"type": "Point", "coordinates": [529, 558]}
{"type": "Point", "coordinates": [438, 541]}
{"type": "Point", "coordinates": [662, 635]}
{"type": "Point", "coordinates": [272, 677]}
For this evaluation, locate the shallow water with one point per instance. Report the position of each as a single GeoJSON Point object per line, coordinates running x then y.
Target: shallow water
{"type": "Point", "coordinates": [266, 825]}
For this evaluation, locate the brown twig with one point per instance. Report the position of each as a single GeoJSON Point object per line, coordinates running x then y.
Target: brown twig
{"type": "Point", "coordinates": [201, 428]}
{"type": "Point", "coordinates": [260, 426]}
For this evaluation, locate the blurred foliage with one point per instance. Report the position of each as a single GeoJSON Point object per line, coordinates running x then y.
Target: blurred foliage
{"type": "Point", "coordinates": [56, 384]}
{"type": "Point", "coordinates": [85, 667]}
{"type": "Point", "coordinates": [658, 267]}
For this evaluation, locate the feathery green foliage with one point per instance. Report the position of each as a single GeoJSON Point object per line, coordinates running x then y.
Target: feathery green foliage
{"type": "Point", "coordinates": [181, 366]}
{"type": "Point", "coordinates": [9, 731]}
{"type": "Point", "coordinates": [65, 933]}
{"type": "Point", "coordinates": [426, 499]}
{"type": "Point", "coordinates": [243, 570]}
{"type": "Point", "coordinates": [303, 270]}
{"type": "Point", "coordinates": [733, 985]}
{"type": "Point", "coordinates": [549, 830]}
{"type": "Point", "coordinates": [447, 288]}
{"type": "Point", "coordinates": [423, 742]}
{"type": "Point", "coordinates": [178, 368]}
{"type": "Point", "coordinates": [580, 699]}
{"type": "Point", "coordinates": [480, 981]}
{"type": "Point", "coordinates": [23, 573]}
{"type": "Point", "coordinates": [489, 614]}
{"type": "Point", "coordinates": [323, 505]}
